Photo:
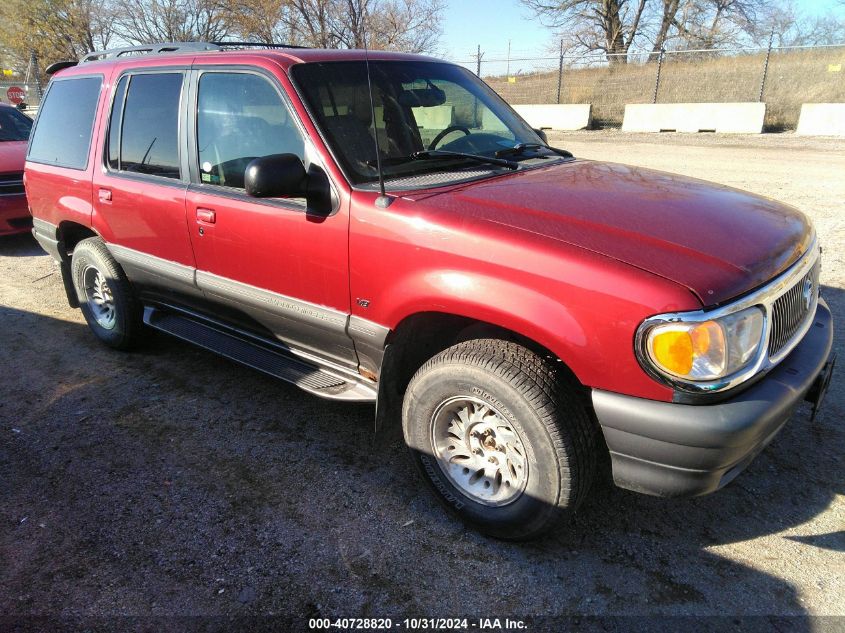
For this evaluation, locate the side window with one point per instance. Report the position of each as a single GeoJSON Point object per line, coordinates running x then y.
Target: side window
{"type": "Point", "coordinates": [63, 134]}
{"type": "Point", "coordinates": [14, 126]}
{"type": "Point", "coordinates": [148, 129]}
{"type": "Point", "coordinates": [115, 123]}
{"type": "Point", "coordinates": [240, 116]}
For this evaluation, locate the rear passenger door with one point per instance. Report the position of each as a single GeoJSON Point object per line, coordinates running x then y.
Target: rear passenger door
{"type": "Point", "coordinates": [283, 270]}
{"type": "Point", "coordinates": [139, 193]}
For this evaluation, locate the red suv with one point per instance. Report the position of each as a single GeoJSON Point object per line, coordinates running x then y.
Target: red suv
{"type": "Point", "coordinates": [14, 132]}
{"type": "Point", "coordinates": [388, 230]}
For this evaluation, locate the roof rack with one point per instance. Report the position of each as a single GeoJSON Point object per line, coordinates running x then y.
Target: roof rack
{"type": "Point", "coordinates": [149, 49]}
{"type": "Point", "coordinates": [227, 45]}
{"type": "Point", "coordinates": [176, 47]}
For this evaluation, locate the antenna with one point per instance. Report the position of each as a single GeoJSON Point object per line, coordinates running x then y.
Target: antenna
{"type": "Point", "coordinates": [383, 201]}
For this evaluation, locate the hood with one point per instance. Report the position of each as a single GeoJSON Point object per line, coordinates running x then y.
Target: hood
{"type": "Point", "coordinates": [717, 241]}
{"type": "Point", "coordinates": [12, 156]}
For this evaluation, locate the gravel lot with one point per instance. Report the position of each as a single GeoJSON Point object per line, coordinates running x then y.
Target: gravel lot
{"type": "Point", "coordinates": [172, 482]}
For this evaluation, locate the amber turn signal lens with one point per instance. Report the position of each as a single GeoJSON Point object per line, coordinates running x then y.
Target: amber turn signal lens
{"type": "Point", "coordinates": [673, 350]}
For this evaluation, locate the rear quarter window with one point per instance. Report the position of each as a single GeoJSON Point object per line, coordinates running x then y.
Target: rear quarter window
{"type": "Point", "coordinates": [62, 134]}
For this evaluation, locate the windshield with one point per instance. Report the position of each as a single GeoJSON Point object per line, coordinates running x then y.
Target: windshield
{"type": "Point", "coordinates": [419, 106]}
{"type": "Point", "coordinates": [14, 126]}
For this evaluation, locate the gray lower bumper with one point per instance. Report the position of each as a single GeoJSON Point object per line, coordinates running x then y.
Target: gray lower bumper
{"type": "Point", "coordinates": [672, 450]}
{"type": "Point", "coordinates": [45, 235]}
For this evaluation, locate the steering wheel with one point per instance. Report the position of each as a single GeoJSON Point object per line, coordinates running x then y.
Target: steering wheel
{"type": "Point", "coordinates": [448, 130]}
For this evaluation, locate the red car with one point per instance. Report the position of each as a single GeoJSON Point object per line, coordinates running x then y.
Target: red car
{"type": "Point", "coordinates": [388, 230]}
{"type": "Point", "coordinates": [14, 133]}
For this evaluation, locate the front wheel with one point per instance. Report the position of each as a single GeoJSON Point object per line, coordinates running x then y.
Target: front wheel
{"type": "Point", "coordinates": [502, 438]}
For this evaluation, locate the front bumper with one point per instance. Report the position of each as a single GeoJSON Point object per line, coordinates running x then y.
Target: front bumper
{"type": "Point", "coordinates": [14, 215]}
{"type": "Point", "coordinates": [676, 450]}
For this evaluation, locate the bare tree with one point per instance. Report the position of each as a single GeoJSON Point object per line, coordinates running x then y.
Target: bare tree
{"type": "Point", "coordinates": [262, 20]}
{"type": "Point", "coordinates": [667, 21]}
{"type": "Point", "coordinates": [791, 27]}
{"type": "Point", "coordinates": [610, 26]}
{"type": "Point", "coordinates": [145, 21]}
{"type": "Point", "coordinates": [407, 25]}
{"type": "Point", "coordinates": [718, 23]}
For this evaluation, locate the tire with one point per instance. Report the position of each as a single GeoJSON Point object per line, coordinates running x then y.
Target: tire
{"type": "Point", "coordinates": [538, 445]}
{"type": "Point", "coordinates": [105, 295]}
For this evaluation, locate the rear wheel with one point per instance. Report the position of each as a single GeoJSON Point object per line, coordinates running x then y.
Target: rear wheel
{"type": "Point", "coordinates": [105, 295]}
{"type": "Point", "coordinates": [501, 436]}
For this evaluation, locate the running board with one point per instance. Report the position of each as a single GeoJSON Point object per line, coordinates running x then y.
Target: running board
{"type": "Point", "coordinates": [267, 358]}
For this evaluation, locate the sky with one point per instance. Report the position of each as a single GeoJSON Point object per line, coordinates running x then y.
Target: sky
{"type": "Point", "coordinates": [491, 23]}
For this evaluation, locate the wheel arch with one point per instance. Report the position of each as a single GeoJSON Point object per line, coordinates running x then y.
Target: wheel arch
{"type": "Point", "coordinates": [69, 234]}
{"type": "Point", "coordinates": [422, 335]}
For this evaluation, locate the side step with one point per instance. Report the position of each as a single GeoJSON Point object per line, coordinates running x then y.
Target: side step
{"type": "Point", "coordinates": [268, 358]}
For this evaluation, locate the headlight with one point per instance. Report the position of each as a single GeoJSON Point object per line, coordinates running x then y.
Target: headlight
{"type": "Point", "coordinates": [700, 351]}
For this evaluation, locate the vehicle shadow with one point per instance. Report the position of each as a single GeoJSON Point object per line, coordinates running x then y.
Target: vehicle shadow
{"type": "Point", "coordinates": [170, 481]}
{"type": "Point", "coordinates": [20, 245]}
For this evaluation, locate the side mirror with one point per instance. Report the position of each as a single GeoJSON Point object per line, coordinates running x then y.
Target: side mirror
{"type": "Point", "coordinates": [275, 176]}
{"type": "Point", "coordinates": [542, 135]}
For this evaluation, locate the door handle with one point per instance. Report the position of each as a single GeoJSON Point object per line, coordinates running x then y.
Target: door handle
{"type": "Point", "coordinates": [104, 195]}
{"type": "Point", "coordinates": [206, 216]}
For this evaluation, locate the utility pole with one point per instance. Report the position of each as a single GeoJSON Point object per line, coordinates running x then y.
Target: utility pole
{"type": "Point", "coordinates": [766, 67]}
{"type": "Point", "coordinates": [560, 72]}
{"type": "Point", "coordinates": [508, 71]}
{"type": "Point", "coordinates": [478, 62]}
{"type": "Point", "coordinates": [657, 80]}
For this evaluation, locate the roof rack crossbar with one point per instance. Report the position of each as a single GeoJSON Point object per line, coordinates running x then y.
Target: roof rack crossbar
{"type": "Point", "coordinates": [176, 47]}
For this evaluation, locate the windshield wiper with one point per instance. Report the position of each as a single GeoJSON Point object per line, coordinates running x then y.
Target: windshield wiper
{"type": "Point", "coordinates": [439, 154]}
{"type": "Point", "coordinates": [520, 148]}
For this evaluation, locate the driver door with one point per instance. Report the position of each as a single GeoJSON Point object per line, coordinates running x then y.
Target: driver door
{"type": "Point", "coordinates": [281, 272]}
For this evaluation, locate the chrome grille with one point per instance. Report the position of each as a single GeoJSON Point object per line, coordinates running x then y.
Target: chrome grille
{"type": "Point", "coordinates": [792, 309]}
{"type": "Point", "coordinates": [11, 184]}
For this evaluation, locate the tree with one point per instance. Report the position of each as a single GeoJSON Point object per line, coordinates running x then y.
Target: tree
{"type": "Point", "coordinates": [718, 23]}
{"type": "Point", "coordinates": [610, 26]}
{"type": "Point", "coordinates": [68, 29]}
{"type": "Point", "coordinates": [146, 21]}
{"type": "Point", "coordinates": [668, 20]}
{"type": "Point", "coordinates": [793, 28]}
{"type": "Point", "coordinates": [53, 29]}
{"type": "Point", "coordinates": [407, 25]}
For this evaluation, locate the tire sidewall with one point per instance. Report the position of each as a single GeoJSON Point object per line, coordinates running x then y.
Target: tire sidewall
{"type": "Point", "coordinates": [540, 498]}
{"type": "Point", "coordinates": [86, 255]}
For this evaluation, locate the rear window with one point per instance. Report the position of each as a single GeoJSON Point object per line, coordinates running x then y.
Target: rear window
{"type": "Point", "coordinates": [62, 133]}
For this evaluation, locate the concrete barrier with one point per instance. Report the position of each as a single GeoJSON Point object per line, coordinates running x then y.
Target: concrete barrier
{"type": "Point", "coordinates": [822, 119]}
{"type": "Point", "coordinates": [727, 118]}
{"type": "Point", "coordinates": [567, 116]}
{"type": "Point", "coordinates": [435, 117]}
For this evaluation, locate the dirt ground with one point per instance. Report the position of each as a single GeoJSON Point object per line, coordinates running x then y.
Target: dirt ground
{"type": "Point", "coordinates": [172, 482]}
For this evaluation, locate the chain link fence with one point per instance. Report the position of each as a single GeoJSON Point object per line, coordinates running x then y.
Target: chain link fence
{"type": "Point", "coordinates": [782, 77]}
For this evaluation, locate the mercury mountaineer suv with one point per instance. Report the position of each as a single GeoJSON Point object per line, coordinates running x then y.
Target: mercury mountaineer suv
{"type": "Point", "coordinates": [386, 229]}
